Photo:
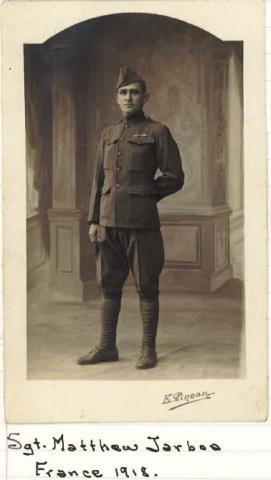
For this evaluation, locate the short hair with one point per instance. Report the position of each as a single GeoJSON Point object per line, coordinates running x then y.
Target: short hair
{"type": "Point", "coordinates": [142, 83]}
{"type": "Point", "coordinates": [144, 86]}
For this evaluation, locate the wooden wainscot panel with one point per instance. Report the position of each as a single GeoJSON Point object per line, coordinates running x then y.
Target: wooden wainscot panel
{"type": "Point", "coordinates": [64, 248]}
{"type": "Point", "coordinates": [221, 243]}
{"type": "Point", "coordinates": [182, 245]}
{"type": "Point", "coordinates": [36, 255]}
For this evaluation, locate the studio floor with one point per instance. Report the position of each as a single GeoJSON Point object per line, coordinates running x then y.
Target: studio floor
{"type": "Point", "coordinates": [200, 336]}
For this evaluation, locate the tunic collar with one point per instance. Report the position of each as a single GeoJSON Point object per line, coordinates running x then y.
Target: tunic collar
{"type": "Point", "coordinates": [138, 117]}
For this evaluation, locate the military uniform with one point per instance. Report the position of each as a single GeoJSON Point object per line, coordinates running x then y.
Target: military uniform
{"type": "Point", "coordinates": [124, 196]}
{"type": "Point", "coordinates": [124, 191]}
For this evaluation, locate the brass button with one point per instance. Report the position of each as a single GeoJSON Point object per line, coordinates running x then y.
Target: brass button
{"type": "Point", "coordinates": [118, 185]}
{"type": "Point", "coordinates": [119, 153]}
{"type": "Point", "coordinates": [118, 169]}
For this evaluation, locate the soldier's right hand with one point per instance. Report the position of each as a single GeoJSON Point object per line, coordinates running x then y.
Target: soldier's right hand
{"type": "Point", "coordinates": [93, 232]}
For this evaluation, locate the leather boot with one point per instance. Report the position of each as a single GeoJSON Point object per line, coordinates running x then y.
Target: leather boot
{"type": "Point", "coordinates": [150, 315]}
{"type": "Point", "coordinates": [106, 351]}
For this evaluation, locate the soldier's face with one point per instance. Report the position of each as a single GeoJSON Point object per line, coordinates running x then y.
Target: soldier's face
{"type": "Point", "coordinates": [131, 99]}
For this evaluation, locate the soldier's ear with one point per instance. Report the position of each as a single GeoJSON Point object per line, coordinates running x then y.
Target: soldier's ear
{"type": "Point", "coordinates": [146, 97]}
{"type": "Point", "coordinates": [116, 97]}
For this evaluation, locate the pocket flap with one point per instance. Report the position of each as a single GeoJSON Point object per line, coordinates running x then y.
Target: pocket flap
{"type": "Point", "coordinates": [112, 139]}
{"type": "Point", "coordinates": [106, 189]}
{"type": "Point", "coordinates": [141, 190]}
{"type": "Point", "coordinates": [141, 139]}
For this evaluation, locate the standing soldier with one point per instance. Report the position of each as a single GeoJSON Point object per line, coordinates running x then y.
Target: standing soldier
{"type": "Point", "coordinates": [123, 216]}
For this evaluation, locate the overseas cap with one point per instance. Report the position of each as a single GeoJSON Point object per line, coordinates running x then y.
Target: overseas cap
{"type": "Point", "coordinates": [127, 75]}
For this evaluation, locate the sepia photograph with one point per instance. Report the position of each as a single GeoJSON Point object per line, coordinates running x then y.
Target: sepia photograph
{"type": "Point", "coordinates": [134, 149]}
{"type": "Point", "coordinates": [139, 253]}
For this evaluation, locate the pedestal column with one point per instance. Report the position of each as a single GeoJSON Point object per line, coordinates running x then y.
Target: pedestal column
{"type": "Point", "coordinates": [235, 162]}
{"type": "Point", "coordinates": [195, 223]}
{"type": "Point", "coordinates": [64, 217]}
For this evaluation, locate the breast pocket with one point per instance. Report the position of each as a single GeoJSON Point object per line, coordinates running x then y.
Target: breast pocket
{"type": "Point", "coordinates": [109, 153]}
{"type": "Point", "coordinates": [141, 165]}
{"type": "Point", "coordinates": [141, 156]}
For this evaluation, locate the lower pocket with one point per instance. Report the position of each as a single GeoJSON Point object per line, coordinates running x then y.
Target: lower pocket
{"type": "Point", "coordinates": [143, 190]}
{"type": "Point", "coordinates": [105, 201]}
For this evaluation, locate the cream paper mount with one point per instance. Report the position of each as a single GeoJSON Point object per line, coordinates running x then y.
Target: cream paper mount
{"type": "Point", "coordinates": [204, 64]}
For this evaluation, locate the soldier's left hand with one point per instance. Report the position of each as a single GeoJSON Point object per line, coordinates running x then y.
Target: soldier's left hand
{"type": "Point", "coordinates": [93, 232]}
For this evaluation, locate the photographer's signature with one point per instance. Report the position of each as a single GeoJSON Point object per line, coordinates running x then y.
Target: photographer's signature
{"type": "Point", "coordinates": [181, 399]}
